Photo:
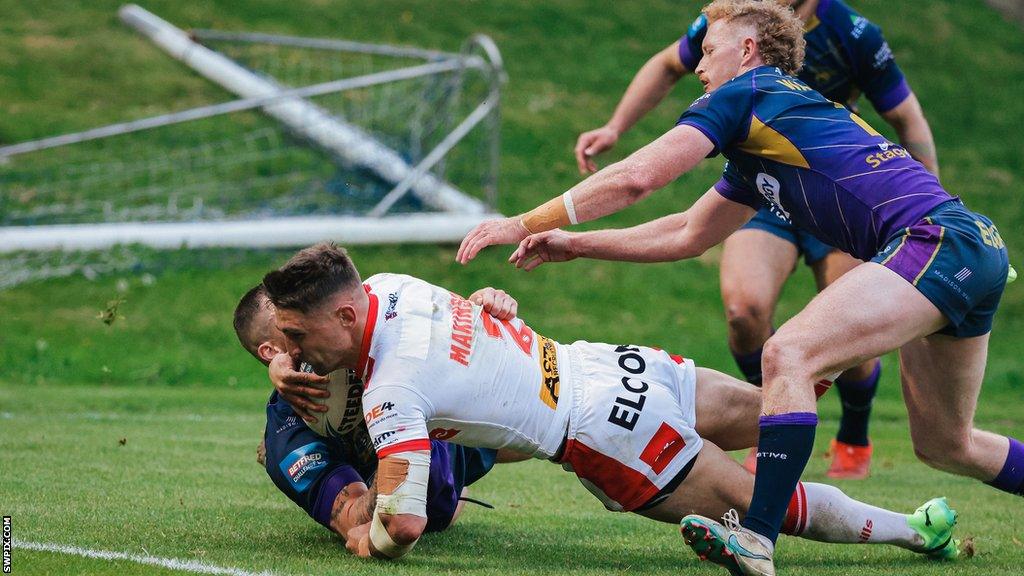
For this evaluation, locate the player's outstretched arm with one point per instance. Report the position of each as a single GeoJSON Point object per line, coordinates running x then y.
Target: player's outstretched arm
{"type": "Point", "coordinates": [296, 387]}
{"type": "Point", "coordinates": [399, 516]}
{"type": "Point", "coordinates": [616, 187]}
{"type": "Point", "coordinates": [913, 132]}
{"type": "Point", "coordinates": [676, 237]}
{"type": "Point", "coordinates": [650, 85]}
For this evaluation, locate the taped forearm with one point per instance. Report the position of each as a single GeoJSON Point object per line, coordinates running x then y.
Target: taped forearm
{"type": "Point", "coordinates": [401, 490]}
{"type": "Point", "coordinates": [555, 213]}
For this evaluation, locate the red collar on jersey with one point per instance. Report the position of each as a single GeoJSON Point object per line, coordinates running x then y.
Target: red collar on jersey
{"type": "Point", "coordinates": [371, 323]}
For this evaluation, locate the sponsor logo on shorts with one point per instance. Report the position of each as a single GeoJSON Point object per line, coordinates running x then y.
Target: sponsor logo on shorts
{"type": "Point", "coordinates": [443, 433]}
{"type": "Point", "coordinates": [303, 465]}
{"type": "Point", "coordinates": [775, 455]}
{"type": "Point", "coordinates": [391, 313]}
{"type": "Point", "coordinates": [953, 285]}
{"type": "Point", "coordinates": [963, 274]}
{"type": "Point", "coordinates": [626, 409]}
{"type": "Point", "coordinates": [548, 372]}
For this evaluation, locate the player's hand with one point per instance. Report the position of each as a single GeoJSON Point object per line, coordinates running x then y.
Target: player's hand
{"type": "Point", "coordinates": [297, 388]}
{"type": "Point", "coordinates": [550, 246]}
{"type": "Point", "coordinates": [495, 302]}
{"type": "Point", "coordinates": [358, 540]}
{"type": "Point", "coordinates": [592, 143]}
{"type": "Point", "coordinates": [503, 231]}
{"type": "Point", "coordinates": [261, 453]}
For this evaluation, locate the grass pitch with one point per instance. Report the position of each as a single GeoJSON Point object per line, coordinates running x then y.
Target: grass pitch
{"type": "Point", "coordinates": [167, 377]}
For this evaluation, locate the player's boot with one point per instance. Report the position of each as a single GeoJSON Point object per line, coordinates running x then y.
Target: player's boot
{"type": "Point", "coordinates": [729, 545]}
{"type": "Point", "coordinates": [849, 461]}
{"type": "Point", "coordinates": [934, 521]}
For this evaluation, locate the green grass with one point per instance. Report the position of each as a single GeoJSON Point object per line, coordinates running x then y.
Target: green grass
{"type": "Point", "coordinates": [170, 379]}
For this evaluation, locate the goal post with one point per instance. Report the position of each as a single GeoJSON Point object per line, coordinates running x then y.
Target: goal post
{"type": "Point", "coordinates": [347, 141]}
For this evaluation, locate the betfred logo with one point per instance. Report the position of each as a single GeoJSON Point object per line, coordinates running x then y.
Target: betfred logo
{"type": "Point", "coordinates": [295, 471]}
{"type": "Point", "coordinates": [443, 433]}
{"type": "Point", "coordinates": [379, 410]}
{"type": "Point", "coordinates": [304, 465]}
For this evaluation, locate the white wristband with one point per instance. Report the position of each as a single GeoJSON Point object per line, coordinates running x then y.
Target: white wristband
{"type": "Point", "coordinates": [382, 541]}
{"type": "Point", "coordinates": [570, 208]}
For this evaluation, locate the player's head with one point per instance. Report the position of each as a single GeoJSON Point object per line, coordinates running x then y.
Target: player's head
{"type": "Point", "coordinates": [320, 306]}
{"type": "Point", "coordinates": [254, 325]}
{"type": "Point", "coordinates": [743, 34]}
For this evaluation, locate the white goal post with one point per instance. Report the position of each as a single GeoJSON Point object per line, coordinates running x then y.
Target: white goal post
{"type": "Point", "coordinates": [453, 212]}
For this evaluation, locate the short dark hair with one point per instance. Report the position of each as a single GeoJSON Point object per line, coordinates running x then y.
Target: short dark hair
{"type": "Point", "coordinates": [254, 302]}
{"type": "Point", "coordinates": [310, 277]}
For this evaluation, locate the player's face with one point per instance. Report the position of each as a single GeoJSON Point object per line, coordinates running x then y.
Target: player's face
{"type": "Point", "coordinates": [723, 54]}
{"type": "Point", "coordinates": [319, 337]}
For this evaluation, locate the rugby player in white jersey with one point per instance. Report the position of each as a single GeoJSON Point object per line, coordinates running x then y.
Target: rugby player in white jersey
{"type": "Point", "coordinates": [628, 420]}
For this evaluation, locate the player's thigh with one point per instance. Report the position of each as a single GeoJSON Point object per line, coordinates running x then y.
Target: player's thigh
{"type": "Point", "coordinates": [832, 266]}
{"type": "Point", "coordinates": [867, 312]}
{"type": "Point", "coordinates": [715, 484]}
{"type": "Point", "coordinates": [755, 265]}
{"type": "Point", "coordinates": [727, 410]}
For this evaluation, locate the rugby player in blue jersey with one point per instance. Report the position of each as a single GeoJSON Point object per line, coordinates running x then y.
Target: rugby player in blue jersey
{"type": "Point", "coordinates": [846, 55]}
{"type": "Point", "coordinates": [930, 286]}
{"type": "Point", "coordinates": [328, 477]}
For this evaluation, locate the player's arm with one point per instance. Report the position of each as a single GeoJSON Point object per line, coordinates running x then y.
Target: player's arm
{"type": "Point", "coordinates": [352, 507]}
{"type": "Point", "coordinates": [675, 237]}
{"type": "Point", "coordinates": [608, 191]}
{"type": "Point", "coordinates": [913, 132]}
{"type": "Point", "coordinates": [400, 515]}
{"type": "Point", "coordinates": [648, 88]}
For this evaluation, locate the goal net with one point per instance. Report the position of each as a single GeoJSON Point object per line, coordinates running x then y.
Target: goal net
{"type": "Point", "coordinates": [323, 139]}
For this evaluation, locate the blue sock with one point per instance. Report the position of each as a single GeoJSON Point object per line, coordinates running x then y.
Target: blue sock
{"type": "Point", "coordinates": [750, 365]}
{"type": "Point", "coordinates": [856, 397]}
{"type": "Point", "coordinates": [1011, 477]}
{"type": "Point", "coordinates": [782, 453]}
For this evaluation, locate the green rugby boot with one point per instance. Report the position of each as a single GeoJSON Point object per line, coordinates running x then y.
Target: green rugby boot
{"type": "Point", "coordinates": [934, 521]}
{"type": "Point", "coordinates": [729, 545]}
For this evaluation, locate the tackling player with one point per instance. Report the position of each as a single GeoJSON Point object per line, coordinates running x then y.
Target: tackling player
{"type": "Point", "coordinates": [328, 477]}
{"type": "Point", "coordinates": [630, 421]}
{"type": "Point", "coordinates": [931, 288]}
{"type": "Point", "coordinates": [846, 55]}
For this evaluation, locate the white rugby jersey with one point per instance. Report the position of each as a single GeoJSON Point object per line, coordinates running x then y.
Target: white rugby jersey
{"type": "Point", "coordinates": [436, 366]}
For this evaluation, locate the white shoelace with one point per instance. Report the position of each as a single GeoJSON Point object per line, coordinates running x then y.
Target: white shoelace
{"type": "Point", "coordinates": [731, 519]}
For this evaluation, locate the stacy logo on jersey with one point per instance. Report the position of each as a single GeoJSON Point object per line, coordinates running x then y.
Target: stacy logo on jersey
{"type": "Point", "coordinates": [304, 465]}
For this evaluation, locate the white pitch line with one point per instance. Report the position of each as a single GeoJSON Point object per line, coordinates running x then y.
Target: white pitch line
{"type": "Point", "coordinates": [193, 566]}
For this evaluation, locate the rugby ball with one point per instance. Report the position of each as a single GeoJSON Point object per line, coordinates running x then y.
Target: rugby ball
{"type": "Point", "coordinates": [344, 406]}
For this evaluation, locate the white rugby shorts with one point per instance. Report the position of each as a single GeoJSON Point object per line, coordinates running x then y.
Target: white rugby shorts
{"type": "Point", "coordinates": [631, 426]}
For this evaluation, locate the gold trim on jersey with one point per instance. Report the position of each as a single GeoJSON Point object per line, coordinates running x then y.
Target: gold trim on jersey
{"type": "Point", "coordinates": [548, 371]}
{"type": "Point", "coordinates": [765, 142]}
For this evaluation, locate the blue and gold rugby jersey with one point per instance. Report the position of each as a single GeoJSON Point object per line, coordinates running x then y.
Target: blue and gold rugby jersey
{"type": "Point", "coordinates": [846, 55]}
{"type": "Point", "coordinates": [812, 161]}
